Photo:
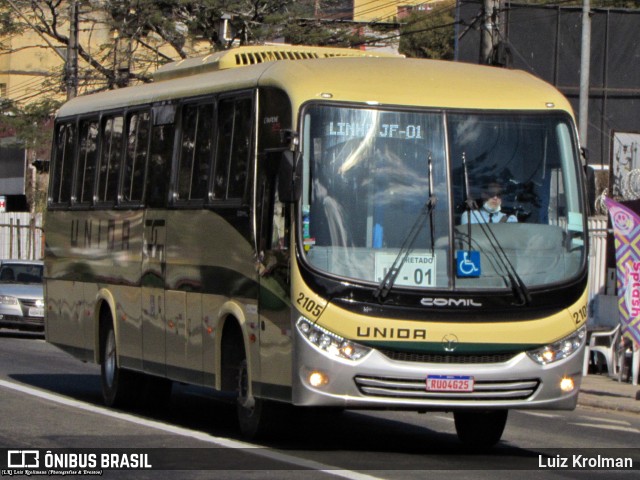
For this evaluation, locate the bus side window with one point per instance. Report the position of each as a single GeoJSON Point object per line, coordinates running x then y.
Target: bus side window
{"type": "Point", "coordinates": [136, 157]}
{"type": "Point", "coordinates": [235, 131]}
{"type": "Point", "coordinates": [273, 227]}
{"type": "Point", "coordinates": [111, 151]}
{"type": "Point", "coordinates": [196, 148]}
{"type": "Point", "coordinates": [63, 164]}
{"type": "Point", "coordinates": [160, 153]}
{"type": "Point", "coordinates": [279, 235]}
{"type": "Point", "coordinates": [87, 158]}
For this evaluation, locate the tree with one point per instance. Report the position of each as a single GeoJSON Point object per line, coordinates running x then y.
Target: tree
{"type": "Point", "coordinates": [124, 41]}
{"type": "Point", "coordinates": [429, 34]}
{"type": "Point", "coordinates": [28, 120]}
{"type": "Point", "coordinates": [32, 125]}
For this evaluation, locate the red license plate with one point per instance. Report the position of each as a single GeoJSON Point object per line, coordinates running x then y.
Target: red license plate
{"type": "Point", "coordinates": [449, 383]}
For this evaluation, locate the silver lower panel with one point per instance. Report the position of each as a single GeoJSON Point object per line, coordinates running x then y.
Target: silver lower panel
{"type": "Point", "coordinates": [376, 381]}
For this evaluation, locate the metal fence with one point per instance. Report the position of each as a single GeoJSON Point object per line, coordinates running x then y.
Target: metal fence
{"type": "Point", "coordinates": [21, 236]}
{"type": "Point", "coordinates": [545, 40]}
{"type": "Point", "coordinates": [597, 255]}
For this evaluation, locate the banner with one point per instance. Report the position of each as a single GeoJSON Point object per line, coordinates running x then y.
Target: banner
{"type": "Point", "coordinates": [626, 231]}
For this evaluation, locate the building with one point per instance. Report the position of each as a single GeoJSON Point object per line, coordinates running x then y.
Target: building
{"type": "Point", "coordinates": [384, 11]}
{"type": "Point", "coordinates": [34, 67]}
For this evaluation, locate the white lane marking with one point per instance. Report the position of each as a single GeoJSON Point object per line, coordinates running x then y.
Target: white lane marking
{"type": "Point", "coordinates": [219, 441]}
{"type": "Point", "coordinates": [538, 414]}
{"type": "Point", "coordinates": [448, 419]}
{"type": "Point", "coordinates": [606, 420]}
{"type": "Point", "coordinates": [607, 427]}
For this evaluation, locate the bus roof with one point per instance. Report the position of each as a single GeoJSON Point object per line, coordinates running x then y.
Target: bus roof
{"type": "Point", "coordinates": [243, 56]}
{"type": "Point", "coordinates": [384, 80]}
{"type": "Point", "coordinates": [414, 82]}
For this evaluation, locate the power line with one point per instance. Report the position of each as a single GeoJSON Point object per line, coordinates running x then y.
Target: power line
{"type": "Point", "coordinates": [29, 96]}
{"type": "Point", "coordinates": [417, 20]}
{"type": "Point", "coordinates": [374, 9]}
{"type": "Point", "coordinates": [415, 6]}
{"type": "Point", "coordinates": [17, 87]}
{"type": "Point", "coordinates": [413, 32]}
{"type": "Point", "coordinates": [336, 16]}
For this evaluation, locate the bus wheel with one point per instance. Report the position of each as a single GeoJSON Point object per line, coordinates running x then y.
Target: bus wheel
{"type": "Point", "coordinates": [480, 429]}
{"type": "Point", "coordinates": [117, 384]}
{"type": "Point", "coordinates": [256, 416]}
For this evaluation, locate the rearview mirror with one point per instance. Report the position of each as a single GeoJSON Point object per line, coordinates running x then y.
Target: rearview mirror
{"type": "Point", "coordinates": [289, 178]}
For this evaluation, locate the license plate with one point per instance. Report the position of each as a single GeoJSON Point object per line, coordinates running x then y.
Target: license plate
{"type": "Point", "coordinates": [449, 383]}
{"type": "Point", "coordinates": [36, 312]}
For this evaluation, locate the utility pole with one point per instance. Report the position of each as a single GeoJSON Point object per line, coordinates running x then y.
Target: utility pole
{"type": "Point", "coordinates": [585, 59]}
{"type": "Point", "coordinates": [489, 33]}
{"type": "Point", "coordinates": [71, 65]}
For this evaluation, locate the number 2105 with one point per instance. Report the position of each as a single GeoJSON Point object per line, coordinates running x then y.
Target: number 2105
{"type": "Point", "coordinates": [309, 305]}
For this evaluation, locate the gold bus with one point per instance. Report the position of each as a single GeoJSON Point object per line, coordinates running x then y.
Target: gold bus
{"type": "Point", "coordinates": [312, 227]}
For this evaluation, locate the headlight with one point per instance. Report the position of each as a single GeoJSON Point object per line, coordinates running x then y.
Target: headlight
{"type": "Point", "coordinates": [328, 342]}
{"type": "Point", "coordinates": [40, 303]}
{"type": "Point", "coordinates": [560, 349]}
{"type": "Point", "coordinates": [8, 300]}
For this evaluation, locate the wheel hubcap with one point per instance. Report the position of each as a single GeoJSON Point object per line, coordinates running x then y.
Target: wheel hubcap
{"type": "Point", "coordinates": [110, 359]}
{"type": "Point", "coordinates": [244, 399]}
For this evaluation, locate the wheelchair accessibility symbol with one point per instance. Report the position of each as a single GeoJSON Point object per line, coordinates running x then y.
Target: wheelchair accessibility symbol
{"type": "Point", "coordinates": [468, 263]}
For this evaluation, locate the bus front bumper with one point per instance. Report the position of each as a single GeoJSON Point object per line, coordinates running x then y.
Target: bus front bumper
{"type": "Point", "coordinates": [378, 382]}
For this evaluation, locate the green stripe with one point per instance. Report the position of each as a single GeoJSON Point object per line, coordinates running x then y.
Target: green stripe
{"type": "Point", "coordinates": [460, 349]}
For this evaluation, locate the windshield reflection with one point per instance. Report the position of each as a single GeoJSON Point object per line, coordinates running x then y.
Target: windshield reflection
{"type": "Point", "coordinates": [366, 183]}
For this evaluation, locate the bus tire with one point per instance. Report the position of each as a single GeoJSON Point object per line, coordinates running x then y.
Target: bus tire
{"type": "Point", "coordinates": [118, 385]}
{"type": "Point", "coordinates": [256, 416]}
{"type": "Point", "coordinates": [479, 429]}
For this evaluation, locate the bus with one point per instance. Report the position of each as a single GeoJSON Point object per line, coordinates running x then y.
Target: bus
{"type": "Point", "coordinates": [286, 226]}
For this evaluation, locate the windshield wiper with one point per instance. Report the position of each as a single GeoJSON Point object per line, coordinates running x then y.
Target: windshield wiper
{"type": "Point", "coordinates": [389, 279]}
{"type": "Point", "coordinates": [518, 287]}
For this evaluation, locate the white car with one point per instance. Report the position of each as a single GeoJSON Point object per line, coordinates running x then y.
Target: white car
{"type": "Point", "coordinates": [21, 295]}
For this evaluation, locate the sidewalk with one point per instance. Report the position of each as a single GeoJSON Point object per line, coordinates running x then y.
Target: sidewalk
{"type": "Point", "coordinates": [601, 391]}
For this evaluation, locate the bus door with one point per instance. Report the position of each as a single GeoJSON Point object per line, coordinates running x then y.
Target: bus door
{"type": "Point", "coordinates": [274, 304]}
{"type": "Point", "coordinates": [153, 292]}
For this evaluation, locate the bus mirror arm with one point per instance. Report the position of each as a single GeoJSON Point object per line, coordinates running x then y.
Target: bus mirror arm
{"type": "Point", "coordinates": [289, 180]}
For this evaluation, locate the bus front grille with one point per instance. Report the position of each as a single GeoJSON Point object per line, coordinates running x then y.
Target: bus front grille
{"type": "Point", "coordinates": [415, 389]}
{"type": "Point", "coordinates": [448, 358]}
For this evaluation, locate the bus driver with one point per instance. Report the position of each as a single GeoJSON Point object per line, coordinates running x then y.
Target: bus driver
{"type": "Point", "coordinates": [490, 212]}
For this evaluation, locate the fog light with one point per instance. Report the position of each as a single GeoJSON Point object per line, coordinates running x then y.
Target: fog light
{"type": "Point", "coordinates": [318, 379]}
{"type": "Point", "coordinates": [567, 384]}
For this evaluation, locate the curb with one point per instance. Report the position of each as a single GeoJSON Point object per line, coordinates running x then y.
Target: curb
{"type": "Point", "coordinates": [608, 402]}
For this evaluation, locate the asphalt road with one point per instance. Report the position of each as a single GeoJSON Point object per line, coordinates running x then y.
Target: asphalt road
{"type": "Point", "coordinates": [50, 401]}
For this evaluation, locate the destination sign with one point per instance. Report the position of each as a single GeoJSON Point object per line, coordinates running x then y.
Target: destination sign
{"type": "Point", "coordinates": [383, 130]}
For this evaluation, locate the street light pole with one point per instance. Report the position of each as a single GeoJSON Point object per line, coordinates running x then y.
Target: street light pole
{"type": "Point", "coordinates": [585, 58]}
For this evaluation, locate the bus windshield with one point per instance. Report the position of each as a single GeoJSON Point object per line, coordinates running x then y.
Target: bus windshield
{"type": "Point", "coordinates": [505, 201]}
